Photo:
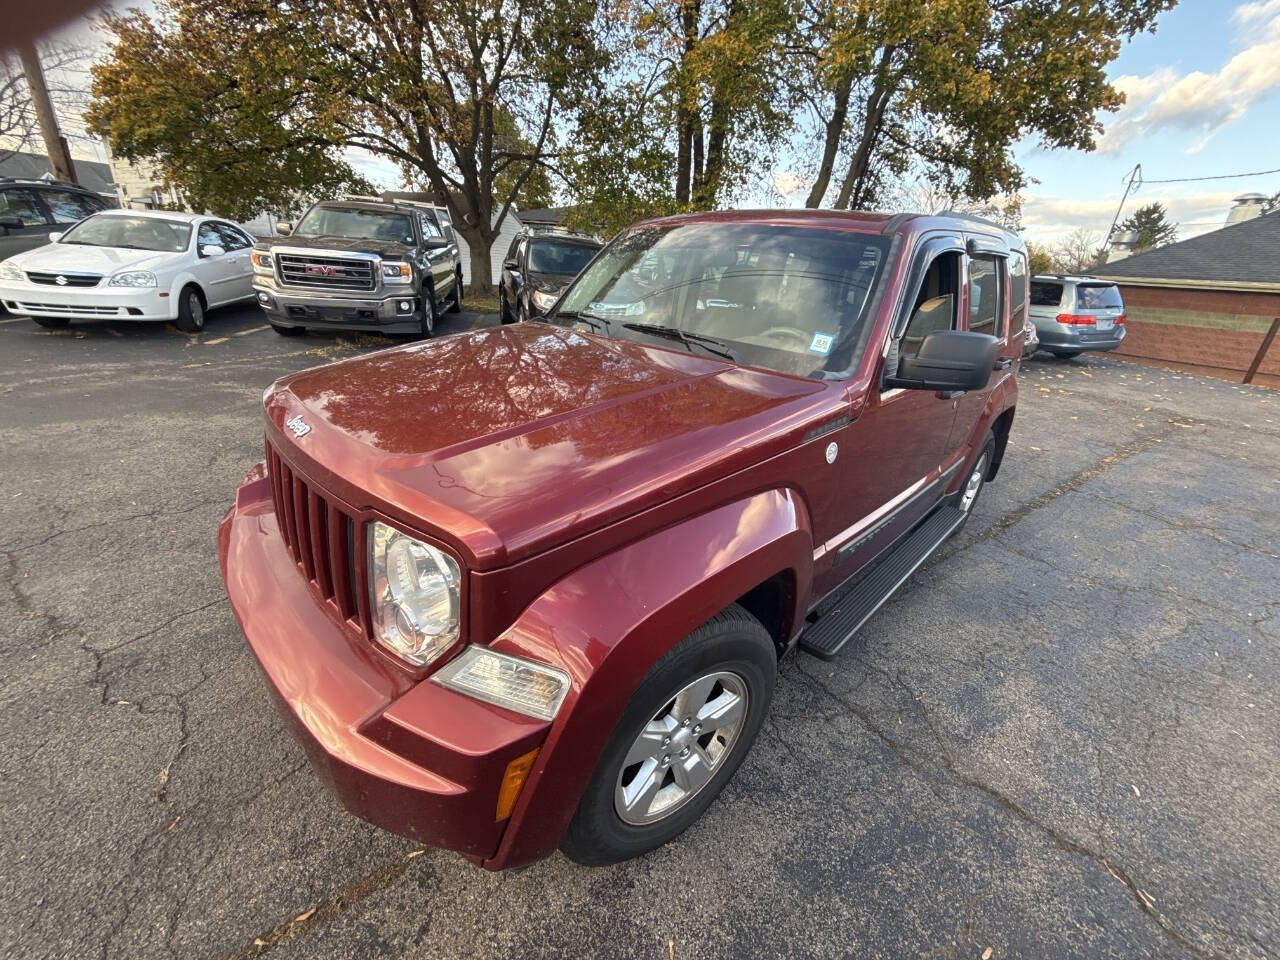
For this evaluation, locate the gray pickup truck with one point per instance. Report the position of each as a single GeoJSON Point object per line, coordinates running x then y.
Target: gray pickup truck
{"type": "Point", "coordinates": [360, 264]}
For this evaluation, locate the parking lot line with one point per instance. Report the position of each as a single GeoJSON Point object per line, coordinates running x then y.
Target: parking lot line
{"type": "Point", "coordinates": [245, 333]}
{"type": "Point", "coordinates": [13, 320]}
{"type": "Point", "coordinates": [215, 341]}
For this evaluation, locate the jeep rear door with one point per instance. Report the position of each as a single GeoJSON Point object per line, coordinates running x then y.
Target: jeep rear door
{"type": "Point", "coordinates": [985, 310]}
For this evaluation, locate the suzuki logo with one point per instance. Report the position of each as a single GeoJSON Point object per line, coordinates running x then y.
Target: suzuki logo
{"type": "Point", "coordinates": [320, 270]}
{"type": "Point", "coordinates": [60, 280]}
{"type": "Point", "coordinates": [298, 426]}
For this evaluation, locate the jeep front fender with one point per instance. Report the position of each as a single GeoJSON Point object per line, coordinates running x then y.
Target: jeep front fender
{"type": "Point", "coordinates": [608, 622]}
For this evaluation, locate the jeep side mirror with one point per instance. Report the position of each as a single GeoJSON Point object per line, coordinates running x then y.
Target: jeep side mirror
{"type": "Point", "coordinates": [284, 227]}
{"type": "Point", "coordinates": [948, 360]}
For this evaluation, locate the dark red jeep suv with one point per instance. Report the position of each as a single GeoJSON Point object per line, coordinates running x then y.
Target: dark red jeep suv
{"type": "Point", "coordinates": [526, 588]}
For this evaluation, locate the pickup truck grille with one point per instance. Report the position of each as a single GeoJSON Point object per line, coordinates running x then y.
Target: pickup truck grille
{"type": "Point", "coordinates": [68, 279]}
{"type": "Point", "coordinates": [327, 273]}
{"type": "Point", "coordinates": [320, 537]}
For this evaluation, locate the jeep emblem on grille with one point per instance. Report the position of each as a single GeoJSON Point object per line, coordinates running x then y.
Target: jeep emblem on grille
{"type": "Point", "coordinates": [320, 270]}
{"type": "Point", "coordinates": [299, 426]}
{"type": "Point", "coordinates": [60, 280]}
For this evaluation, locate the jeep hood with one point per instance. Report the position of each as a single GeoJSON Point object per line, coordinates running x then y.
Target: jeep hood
{"type": "Point", "coordinates": [508, 441]}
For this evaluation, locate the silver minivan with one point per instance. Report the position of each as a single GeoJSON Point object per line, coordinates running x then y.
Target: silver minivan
{"type": "Point", "coordinates": [1074, 314]}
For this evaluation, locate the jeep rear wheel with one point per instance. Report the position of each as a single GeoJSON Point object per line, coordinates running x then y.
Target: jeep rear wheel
{"type": "Point", "coordinates": [681, 737]}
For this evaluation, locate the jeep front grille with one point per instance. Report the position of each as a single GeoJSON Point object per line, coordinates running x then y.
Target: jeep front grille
{"type": "Point", "coordinates": [326, 272]}
{"type": "Point", "coordinates": [320, 537]}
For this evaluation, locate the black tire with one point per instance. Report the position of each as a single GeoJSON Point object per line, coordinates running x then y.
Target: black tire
{"type": "Point", "coordinates": [456, 305]}
{"type": "Point", "coordinates": [287, 331]}
{"type": "Point", "coordinates": [504, 308]}
{"type": "Point", "coordinates": [983, 460]}
{"type": "Point", "coordinates": [191, 310]}
{"type": "Point", "coordinates": [732, 642]}
{"type": "Point", "coordinates": [53, 323]}
{"type": "Point", "coordinates": [1066, 354]}
{"type": "Point", "coordinates": [427, 325]}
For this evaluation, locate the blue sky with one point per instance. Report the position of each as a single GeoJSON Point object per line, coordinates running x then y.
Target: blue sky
{"type": "Point", "coordinates": [1202, 101]}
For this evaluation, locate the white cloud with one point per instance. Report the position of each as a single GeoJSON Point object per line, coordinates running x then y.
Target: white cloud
{"type": "Point", "coordinates": [1047, 219]}
{"type": "Point", "coordinates": [1199, 102]}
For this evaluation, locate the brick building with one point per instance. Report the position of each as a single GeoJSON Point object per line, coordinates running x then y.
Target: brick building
{"type": "Point", "coordinates": [1208, 300]}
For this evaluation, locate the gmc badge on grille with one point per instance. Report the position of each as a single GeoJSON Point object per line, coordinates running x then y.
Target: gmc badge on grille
{"type": "Point", "coordinates": [299, 426]}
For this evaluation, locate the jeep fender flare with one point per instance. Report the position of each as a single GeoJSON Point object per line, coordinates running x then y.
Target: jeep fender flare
{"type": "Point", "coordinates": [608, 622]}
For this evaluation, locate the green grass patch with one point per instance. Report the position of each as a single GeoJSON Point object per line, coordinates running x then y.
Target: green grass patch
{"type": "Point", "coordinates": [476, 303]}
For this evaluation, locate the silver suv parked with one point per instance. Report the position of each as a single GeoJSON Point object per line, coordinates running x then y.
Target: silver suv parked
{"type": "Point", "coordinates": [1074, 314]}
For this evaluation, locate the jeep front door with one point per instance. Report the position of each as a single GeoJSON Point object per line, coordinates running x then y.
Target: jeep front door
{"type": "Point", "coordinates": [894, 451]}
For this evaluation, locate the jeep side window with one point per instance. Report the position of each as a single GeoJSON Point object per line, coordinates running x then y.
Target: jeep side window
{"type": "Point", "coordinates": [986, 305]}
{"type": "Point", "coordinates": [935, 305]}
{"type": "Point", "coordinates": [1017, 291]}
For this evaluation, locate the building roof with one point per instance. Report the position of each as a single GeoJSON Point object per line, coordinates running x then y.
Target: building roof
{"type": "Point", "coordinates": [92, 175]}
{"type": "Point", "coordinates": [1240, 256]}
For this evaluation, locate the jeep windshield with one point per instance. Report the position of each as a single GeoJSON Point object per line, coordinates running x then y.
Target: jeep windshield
{"type": "Point", "coordinates": [130, 233]}
{"type": "Point", "coordinates": [356, 225]}
{"type": "Point", "coordinates": [792, 299]}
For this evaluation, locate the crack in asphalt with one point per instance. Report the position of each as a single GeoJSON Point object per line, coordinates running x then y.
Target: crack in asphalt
{"type": "Point", "coordinates": [920, 762]}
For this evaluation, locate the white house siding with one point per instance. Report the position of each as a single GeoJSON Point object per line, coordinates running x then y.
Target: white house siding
{"type": "Point", "coordinates": [510, 227]}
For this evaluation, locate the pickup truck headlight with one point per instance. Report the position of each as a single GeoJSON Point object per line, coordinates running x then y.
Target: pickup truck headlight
{"type": "Point", "coordinates": [134, 278]}
{"type": "Point", "coordinates": [261, 261]}
{"type": "Point", "coordinates": [525, 686]}
{"type": "Point", "coordinates": [397, 272]}
{"type": "Point", "coordinates": [543, 300]}
{"type": "Point", "coordinates": [416, 594]}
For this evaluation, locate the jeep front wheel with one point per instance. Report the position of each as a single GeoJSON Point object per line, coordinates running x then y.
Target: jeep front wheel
{"type": "Point", "coordinates": [679, 740]}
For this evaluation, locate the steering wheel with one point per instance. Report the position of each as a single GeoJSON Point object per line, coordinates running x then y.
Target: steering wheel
{"type": "Point", "coordinates": [793, 332]}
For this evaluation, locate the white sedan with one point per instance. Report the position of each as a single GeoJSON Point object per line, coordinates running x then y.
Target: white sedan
{"type": "Point", "coordinates": [131, 265]}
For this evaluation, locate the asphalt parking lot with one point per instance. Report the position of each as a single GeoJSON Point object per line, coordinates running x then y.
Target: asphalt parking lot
{"type": "Point", "coordinates": [1060, 740]}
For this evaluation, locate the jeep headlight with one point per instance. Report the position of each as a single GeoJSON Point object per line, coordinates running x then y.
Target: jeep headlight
{"type": "Point", "coordinates": [134, 278]}
{"type": "Point", "coordinates": [9, 271]}
{"type": "Point", "coordinates": [543, 300]}
{"type": "Point", "coordinates": [415, 593]}
{"type": "Point", "coordinates": [525, 686]}
{"type": "Point", "coordinates": [397, 272]}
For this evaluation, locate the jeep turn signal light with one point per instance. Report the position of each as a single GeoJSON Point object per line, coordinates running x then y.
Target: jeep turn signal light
{"type": "Point", "coordinates": [512, 782]}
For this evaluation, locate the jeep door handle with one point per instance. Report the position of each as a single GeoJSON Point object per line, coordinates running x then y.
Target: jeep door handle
{"type": "Point", "coordinates": [1004, 363]}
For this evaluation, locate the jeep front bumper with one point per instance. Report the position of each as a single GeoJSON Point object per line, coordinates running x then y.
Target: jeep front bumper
{"type": "Point", "coordinates": [412, 757]}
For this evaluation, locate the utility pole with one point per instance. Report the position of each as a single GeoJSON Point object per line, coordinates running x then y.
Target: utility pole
{"type": "Point", "coordinates": [1135, 176]}
{"type": "Point", "coordinates": [54, 143]}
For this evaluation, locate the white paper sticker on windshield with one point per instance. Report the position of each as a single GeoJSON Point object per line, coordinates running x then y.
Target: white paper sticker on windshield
{"type": "Point", "coordinates": [821, 343]}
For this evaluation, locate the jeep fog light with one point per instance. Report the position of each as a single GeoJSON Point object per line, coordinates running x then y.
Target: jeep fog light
{"type": "Point", "coordinates": [524, 686]}
{"type": "Point", "coordinates": [415, 592]}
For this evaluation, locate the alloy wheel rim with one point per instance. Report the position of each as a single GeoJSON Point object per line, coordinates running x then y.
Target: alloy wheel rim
{"type": "Point", "coordinates": [681, 748]}
{"type": "Point", "coordinates": [196, 309]}
{"type": "Point", "coordinates": [973, 485]}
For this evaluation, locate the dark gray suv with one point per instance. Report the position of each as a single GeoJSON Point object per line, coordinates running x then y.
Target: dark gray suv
{"type": "Point", "coordinates": [31, 209]}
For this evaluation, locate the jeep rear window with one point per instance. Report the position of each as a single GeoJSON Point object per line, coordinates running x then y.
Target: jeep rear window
{"type": "Point", "coordinates": [1045, 294]}
{"type": "Point", "coordinates": [792, 299]}
{"type": "Point", "coordinates": [1098, 296]}
{"type": "Point", "coordinates": [356, 225]}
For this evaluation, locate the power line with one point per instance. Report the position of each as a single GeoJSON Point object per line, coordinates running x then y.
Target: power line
{"type": "Point", "coordinates": [1223, 176]}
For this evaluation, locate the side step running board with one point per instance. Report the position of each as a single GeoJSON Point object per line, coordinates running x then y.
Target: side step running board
{"type": "Point", "coordinates": [828, 635]}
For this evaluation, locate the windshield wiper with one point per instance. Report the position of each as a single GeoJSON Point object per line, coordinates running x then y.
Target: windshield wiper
{"type": "Point", "coordinates": [710, 344]}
